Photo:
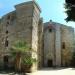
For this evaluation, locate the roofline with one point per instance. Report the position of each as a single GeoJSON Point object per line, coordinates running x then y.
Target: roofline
{"type": "Point", "coordinates": [28, 2]}
{"type": "Point", "coordinates": [59, 24]}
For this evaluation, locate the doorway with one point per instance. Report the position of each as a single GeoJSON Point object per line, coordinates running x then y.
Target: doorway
{"type": "Point", "coordinates": [5, 59]}
{"type": "Point", "coordinates": [50, 63]}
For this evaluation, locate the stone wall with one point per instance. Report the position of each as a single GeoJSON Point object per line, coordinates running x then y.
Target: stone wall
{"type": "Point", "coordinates": [40, 43]}
{"type": "Point", "coordinates": [1, 43]}
{"type": "Point", "coordinates": [67, 38]}
{"type": "Point", "coordinates": [58, 45]}
{"type": "Point", "coordinates": [49, 44]}
{"type": "Point", "coordinates": [35, 37]}
{"type": "Point", "coordinates": [21, 24]}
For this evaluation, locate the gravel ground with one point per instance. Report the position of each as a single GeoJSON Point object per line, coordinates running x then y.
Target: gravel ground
{"type": "Point", "coordinates": [60, 71]}
{"type": "Point", "coordinates": [50, 71]}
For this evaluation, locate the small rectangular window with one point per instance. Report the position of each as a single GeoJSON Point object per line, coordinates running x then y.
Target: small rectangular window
{"type": "Point", "coordinates": [7, 32]}
{"type": "Point", "coordinates": [50, 30]}
{"type": "Point", "coordinates": [63, 45]}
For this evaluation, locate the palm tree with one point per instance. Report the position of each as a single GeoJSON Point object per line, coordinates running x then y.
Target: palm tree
{"type": "Point", "coordinates": [19, 48]}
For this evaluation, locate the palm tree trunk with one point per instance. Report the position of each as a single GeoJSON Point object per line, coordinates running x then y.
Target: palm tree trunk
{"type": "Point", "coordinates": [18, 62]}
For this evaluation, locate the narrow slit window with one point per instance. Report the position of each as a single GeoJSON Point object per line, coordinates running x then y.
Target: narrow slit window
{"type": "Point", "coordinates": [6, 43]}
{"type": "Point", "coordinates": [63, 45]}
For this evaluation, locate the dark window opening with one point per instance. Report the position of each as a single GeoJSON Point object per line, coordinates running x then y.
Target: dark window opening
{"type": "Point", "coordinates": [6, 43]}
{"type": "Point", "coordinates": [50, 30]}
{"type": "Point", "coordinates": [7, 32]}
{"type": "Point", "coordinates": [50, 63]}
{"type": "Point", "coordinates": [63, 45]}
{"type": "Point", "coordinates": [5, 59]}
{"type": "Point", "coordinates": [7, 22]}
{"type": "Point", "coordinates": [8, 17]}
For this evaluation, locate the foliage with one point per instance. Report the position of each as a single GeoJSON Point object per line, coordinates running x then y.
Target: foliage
{"type": "Point", "coordinates": [28, 61]}
{"type": "Point", "coordinates": [70, 10]}
{"type": "Point", "coordinates": [70, 1]}
{"type": "Point", "coordinates": [21, 51]}
{"type": "Point", "coordinates": [20, 46]}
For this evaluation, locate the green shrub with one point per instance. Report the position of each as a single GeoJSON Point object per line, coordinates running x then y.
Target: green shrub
{"type": "Point", "coordinates": [28, 60]}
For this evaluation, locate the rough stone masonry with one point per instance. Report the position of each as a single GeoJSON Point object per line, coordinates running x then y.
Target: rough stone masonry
{"type": "Point", "coordinates": [50, 40]}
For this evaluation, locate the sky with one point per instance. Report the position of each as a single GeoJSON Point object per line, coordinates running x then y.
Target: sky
{"type": "Point", "coordinates": [51, 10]}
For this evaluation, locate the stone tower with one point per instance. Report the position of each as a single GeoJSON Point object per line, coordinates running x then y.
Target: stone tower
{"type": "Point", "coordinates": [21, 24]}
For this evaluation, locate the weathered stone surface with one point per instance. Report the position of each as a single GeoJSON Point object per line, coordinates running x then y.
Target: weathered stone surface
{"type": "Point", "coordinates": [53, 44]}
{"type": "Point", "coordinates": [45, 39]}
{"type": "Point", "coordinates": [21, 24]}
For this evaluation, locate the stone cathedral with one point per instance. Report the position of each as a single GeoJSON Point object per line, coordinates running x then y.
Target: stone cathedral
{"type": "Point", "coordinates": [52, 41]}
